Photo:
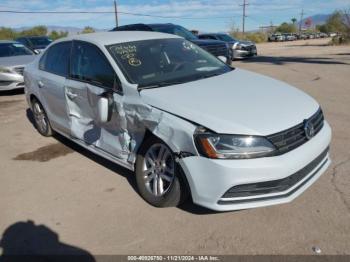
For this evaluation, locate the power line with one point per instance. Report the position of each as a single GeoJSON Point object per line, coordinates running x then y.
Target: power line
{"type": "Point", "coordinates": [111, 12]}
{"type": "Point", "coordinates": [244, 15]}
{"type": "Point", "coordinates": [301, 19]}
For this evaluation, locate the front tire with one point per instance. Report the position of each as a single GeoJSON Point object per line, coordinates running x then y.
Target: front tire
{"type": "Point", "coordinates": [158, 177]}
{"type": "Point", "coordinates": [41, 121]}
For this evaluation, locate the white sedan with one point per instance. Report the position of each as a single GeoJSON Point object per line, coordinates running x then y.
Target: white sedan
{"type": "Point", "coordinates": [13, 58]}
{"type": "Point", "coordinates": [184, 121]}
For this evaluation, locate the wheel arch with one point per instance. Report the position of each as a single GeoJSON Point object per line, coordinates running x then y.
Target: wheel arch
{"type": "Point", "coordinates": [177, 156]}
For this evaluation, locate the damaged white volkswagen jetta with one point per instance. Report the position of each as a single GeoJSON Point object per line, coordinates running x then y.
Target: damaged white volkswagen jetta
{"type": "Point", "coordinates": [184, 121]}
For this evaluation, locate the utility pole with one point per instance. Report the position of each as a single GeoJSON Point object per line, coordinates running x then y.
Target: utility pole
{"type": "Point", "coordinates": [301, 19]}
{"type": "Point", "coordinates": [244, 16]}
{"type": "Point", "coordinates": [116, 13]}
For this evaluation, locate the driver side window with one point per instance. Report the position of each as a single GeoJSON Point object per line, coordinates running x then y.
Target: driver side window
{"type": "Point", "coordinates": [89, 64]}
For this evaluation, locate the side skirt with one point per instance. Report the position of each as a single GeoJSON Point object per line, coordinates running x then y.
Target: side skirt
{"type": "Point", "coordinates": [98, 152]}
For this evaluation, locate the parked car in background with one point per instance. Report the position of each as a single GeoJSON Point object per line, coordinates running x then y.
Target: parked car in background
{"type": "Point", "coordinates": [289, 37]}
{"type": "Point", "coordinates": [215, 47]}
{"type": "Point", "coordinates": [310, 36]}
{"type": "Point", "coordinates": [13, 58]}
{"type": "Point", "coordinates": [276, 38]}
{"type": "Point", "coordinates": [239, 48]}
{"type": "Point", "coordinates": [184, 121]}
{"type": "Point", "coordinates": [302, 36]}
{"type": "Point", "coordinates": [35, 43]}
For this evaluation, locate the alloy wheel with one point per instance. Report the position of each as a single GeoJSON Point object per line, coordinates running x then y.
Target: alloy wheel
{"type": "Point", "coordinates": [40, 118]}
{"type": "Point", "coordinates": [158, 169]}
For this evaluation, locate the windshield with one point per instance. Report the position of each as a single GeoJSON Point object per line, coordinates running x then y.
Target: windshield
{"type": "Point", "coordinates": [226, 38]}
{"type": "Point", "coordinates": [174, 30]}
{"type": "Point", "coordinates": [161, 62]}
{"type": "Point", "coordinates": [40, 41]}
{"type": "Point", "coordinates": [14, 49]}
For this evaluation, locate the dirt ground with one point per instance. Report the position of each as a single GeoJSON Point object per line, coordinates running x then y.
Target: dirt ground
{"type": "Point", "coordinates": [54, 194]}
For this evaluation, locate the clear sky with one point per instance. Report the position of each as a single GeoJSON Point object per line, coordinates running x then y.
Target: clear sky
{"type": "Point", "coordinates": [208, 15]}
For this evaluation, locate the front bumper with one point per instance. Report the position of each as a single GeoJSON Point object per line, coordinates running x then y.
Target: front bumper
{"type": "Point", "coordinates": [210, 179]}
{"type": "Point", "coordinates": [11, 81]}
{"type": "Point", "coordinates": [244, 53]}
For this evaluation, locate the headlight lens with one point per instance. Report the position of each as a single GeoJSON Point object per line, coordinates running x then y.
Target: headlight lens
{"type": "Point", "coordinates": [233, 146]}
{"type": "Point", "coordinates": [238, 47]}
{"type": "Point", "coordinates": [5, 70]}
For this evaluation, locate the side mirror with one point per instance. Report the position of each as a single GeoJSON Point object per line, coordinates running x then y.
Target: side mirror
{"type": "Point", "coordinates": [105, 108]}
{"type": "Point", "coordinates": [223, 59]}
{"type": "Point", "coordinates": [117, 84]}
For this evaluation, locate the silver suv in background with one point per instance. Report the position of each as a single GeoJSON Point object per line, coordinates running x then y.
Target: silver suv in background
{"type": "Point", "coordinates": [238, 48]}
{"type": "Point", "coordinates": [276, 38]}
{"type": "Point", "coordinates": [14, 57]}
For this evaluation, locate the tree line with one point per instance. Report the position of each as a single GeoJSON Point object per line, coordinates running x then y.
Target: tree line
{"type": "Point", "coordinates": [10, 34]}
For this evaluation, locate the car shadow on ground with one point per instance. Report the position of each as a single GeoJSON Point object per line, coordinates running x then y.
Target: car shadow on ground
{"type": "Point", "coordinates": [25, 241]}
{"type": "Point", "coordinates": [281, 60]}
{"type": "Point", "coordinates": [99, 160]}
{"type": "Point", "coordinates": [14, 92]}
{"type": "Point", "coordinates": [307, 44]}
{"type": "Point", "coordinates": [188, 206]}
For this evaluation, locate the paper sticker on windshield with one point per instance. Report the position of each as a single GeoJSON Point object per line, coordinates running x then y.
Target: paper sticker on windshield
{"type": "Point", "coordinates": [18, 45]}
{"type": "Point", "coordinates": [133, 61]}
{"type": "Point", "coordinates": [126, 51]}
{"type": "Point", "coordinates": [188, 45]}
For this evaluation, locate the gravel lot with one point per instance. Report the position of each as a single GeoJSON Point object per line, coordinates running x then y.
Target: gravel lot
{"type": "Point", "coordinates": [91, 204]}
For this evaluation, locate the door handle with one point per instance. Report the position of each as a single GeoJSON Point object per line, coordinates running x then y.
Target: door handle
{"type": "Point", "coordinates": [40, 84]}
{"type": "Point", "coordinates": [71, 95]}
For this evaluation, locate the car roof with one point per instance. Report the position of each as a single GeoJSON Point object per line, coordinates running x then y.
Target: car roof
{"type": "Point", "coordinates": [37, 36]}
{"type": "Point", "coordinates": [162, 24]}
{"type": "Point", "coordinates": [7, 42]}
{"type": "Point", "coordinates": [116, 37]}
{"type": "Point", "coordinates": [214, 34]}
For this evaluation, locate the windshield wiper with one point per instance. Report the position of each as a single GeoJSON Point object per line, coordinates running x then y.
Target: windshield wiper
{"type": "Point", "coordinates": [160, 84]}
{"type": "Point", "coordinates": [212, 74]}
{"type": "Point", "coordinates": [208, 76]}
{"type": "Point", "coordinates": [168, 83]}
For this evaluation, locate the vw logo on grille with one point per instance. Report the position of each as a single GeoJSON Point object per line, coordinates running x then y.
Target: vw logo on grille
{"type": "Point", "coordinates": [309, 129]}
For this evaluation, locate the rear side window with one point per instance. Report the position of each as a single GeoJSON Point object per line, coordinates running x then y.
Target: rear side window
{"type": "Point", "coordinates": [56, 59]}
{"type": "Point", "coordinates": [207, 37]}
{"type": "Point", "coordinates": [89, 64]}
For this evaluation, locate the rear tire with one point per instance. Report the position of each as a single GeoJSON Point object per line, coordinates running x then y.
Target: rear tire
{"type": "Point", "coordinates": [158, 176]}
{"type": "Point", "coordinates": [41, 121]}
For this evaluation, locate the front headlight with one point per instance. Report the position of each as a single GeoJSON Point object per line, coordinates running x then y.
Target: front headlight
{"type": "Point", "coordinates": [5, 70]}
{"type": "Point", "coordinates": [238, 47]}
{"type": "Point", "coordinates": [233, 146]}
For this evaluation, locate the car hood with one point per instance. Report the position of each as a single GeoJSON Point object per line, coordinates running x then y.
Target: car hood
{"type": "Point", "coordinates": [203, 42]}
{"type": "Point", "coordinates": [246, 43]}
{"type": "Point", "coordinates": [12, 61]}
{"type": "Point", "coordinates": [40, 47]}
{"type": "Point", "coordinates": [238, 102]}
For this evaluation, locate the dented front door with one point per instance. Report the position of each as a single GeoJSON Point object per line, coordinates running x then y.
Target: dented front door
{"type": "Point", "coordinates": [91, 79]}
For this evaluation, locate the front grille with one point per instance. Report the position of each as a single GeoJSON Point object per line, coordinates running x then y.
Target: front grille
{"type": "Point", "coordinates": [19, 70]}
{"type": "Point", "coordinates": [277, 186]}
{"type": "Point", "coordinates": [216, 50]}
{"type": "Point", "coordinates": [5, 83]}
{"type": "Point", "coordinates": [294, 137]}
{"type": "Point", "coordinates": [248, 48]}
